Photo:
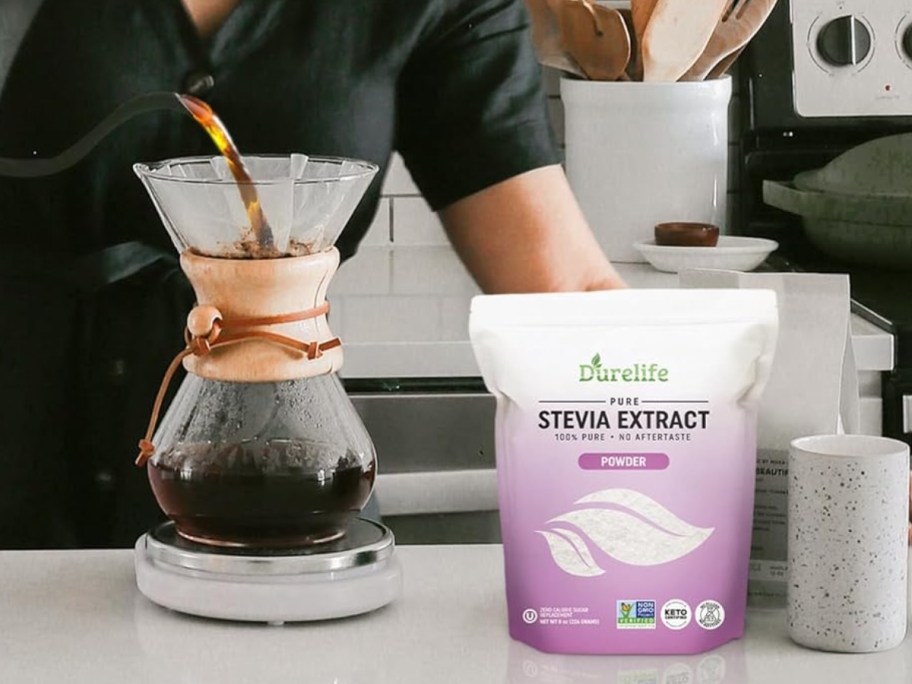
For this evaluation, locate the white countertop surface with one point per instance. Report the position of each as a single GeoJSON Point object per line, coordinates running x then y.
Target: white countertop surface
{"type": "Point", "coordinates": [77, 617]}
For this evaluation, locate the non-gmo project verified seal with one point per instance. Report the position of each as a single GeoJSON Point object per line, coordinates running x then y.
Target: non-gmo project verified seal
{"type": "Point", "coordinates": [636, 614]}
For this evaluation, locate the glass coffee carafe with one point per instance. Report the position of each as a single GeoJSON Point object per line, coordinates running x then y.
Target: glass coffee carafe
{"type": "Point", "coordinates": [261, 446]}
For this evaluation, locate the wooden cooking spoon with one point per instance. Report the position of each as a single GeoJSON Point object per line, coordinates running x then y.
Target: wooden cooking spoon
{"type": "Point", "coordinates": [740, 21]}
{"type": "Point", "coordinates": [676, 35]}
{"type": "Point", "coordinates": [596, 37]}
{"type": "Point", "coordinates": [546, 36]}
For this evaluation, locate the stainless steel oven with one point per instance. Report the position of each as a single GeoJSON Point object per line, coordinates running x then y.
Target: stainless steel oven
{"type": "Point", "coordinates": [435, 443]}
{"type": "Point", "coordinates": [821, 77]}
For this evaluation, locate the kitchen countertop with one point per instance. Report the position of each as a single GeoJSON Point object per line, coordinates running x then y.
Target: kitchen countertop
{"type": "Point", "coordinates": [77, 617]}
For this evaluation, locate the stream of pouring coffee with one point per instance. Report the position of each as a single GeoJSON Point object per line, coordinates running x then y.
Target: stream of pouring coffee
{"type": "Point", "coordinates": [208, 119]}
{"type": "Point", "coordinates": [199, 110]}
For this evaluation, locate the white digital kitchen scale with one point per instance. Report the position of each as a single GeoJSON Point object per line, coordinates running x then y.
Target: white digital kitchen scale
{"type": "Point", "coordinates": [352, 575]}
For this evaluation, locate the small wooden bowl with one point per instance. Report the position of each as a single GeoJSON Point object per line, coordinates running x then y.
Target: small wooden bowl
{"type": "Point", "coordinates": [685, 234]}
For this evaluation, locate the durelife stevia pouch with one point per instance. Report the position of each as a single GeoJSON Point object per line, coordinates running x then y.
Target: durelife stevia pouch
{"type": "Point", "coordinates": [626, 447]}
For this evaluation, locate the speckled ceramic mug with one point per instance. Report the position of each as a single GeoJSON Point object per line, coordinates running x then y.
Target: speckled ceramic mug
{"type": "Point", "coordinates": [848, 542]}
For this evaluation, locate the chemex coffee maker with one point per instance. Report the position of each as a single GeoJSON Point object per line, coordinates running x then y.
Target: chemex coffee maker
{"type": "Point", "coordinates": [261, 462]}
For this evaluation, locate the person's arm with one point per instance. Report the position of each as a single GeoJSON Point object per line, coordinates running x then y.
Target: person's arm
{"type": "Point", "coordinates": [528, 234]}
{"type": "Point", "coordinates": [473, 130]}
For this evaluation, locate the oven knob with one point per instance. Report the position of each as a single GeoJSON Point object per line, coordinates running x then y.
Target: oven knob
{"type": "Point", "coordinates": [907, 41]}
{"type": "Point", "coordinates": [844, 41]}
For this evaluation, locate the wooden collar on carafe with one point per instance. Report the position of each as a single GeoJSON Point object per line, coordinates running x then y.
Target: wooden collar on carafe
{"type": "Point", "coordinates": [243, 349]}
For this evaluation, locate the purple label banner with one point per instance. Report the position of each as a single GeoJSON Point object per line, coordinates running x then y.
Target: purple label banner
{"type": "Point", "coordinates": [623, 461]}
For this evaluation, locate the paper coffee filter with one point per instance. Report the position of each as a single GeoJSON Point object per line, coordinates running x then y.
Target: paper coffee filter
{"type": "Point", "coordinates": [307, 201]}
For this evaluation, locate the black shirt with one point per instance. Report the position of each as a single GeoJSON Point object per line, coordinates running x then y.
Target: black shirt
{"type": "Point", "coordinates": [92, 303]}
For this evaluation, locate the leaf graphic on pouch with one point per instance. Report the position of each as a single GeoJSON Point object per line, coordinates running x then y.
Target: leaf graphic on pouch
{"type": "Point", "coordinates": [571, 554]}
{"type": "Point", "coordinates": [648, 508]}
{"type": "Point", "coordinates": [631, 540]}
{"type": "Point", "coordinates": [597, 361]}
{"type": "Point", "coordinates": [639, 531]}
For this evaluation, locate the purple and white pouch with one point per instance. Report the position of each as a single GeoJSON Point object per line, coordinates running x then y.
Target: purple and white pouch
{"type": "Point", "coordinates": [626, 448]}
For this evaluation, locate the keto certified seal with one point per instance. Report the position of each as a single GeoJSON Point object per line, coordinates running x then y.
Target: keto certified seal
{"type": "Point", "coordinates": [676, 614]}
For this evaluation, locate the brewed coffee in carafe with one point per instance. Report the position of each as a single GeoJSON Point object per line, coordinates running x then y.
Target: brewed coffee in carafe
{"type": "Point", "coordinates": [283, 463]}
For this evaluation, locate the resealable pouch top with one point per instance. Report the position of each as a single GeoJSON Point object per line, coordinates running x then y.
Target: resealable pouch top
{"type": "Point", "coordinates": [626, 448]}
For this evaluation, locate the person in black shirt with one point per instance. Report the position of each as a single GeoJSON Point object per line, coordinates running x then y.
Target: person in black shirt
{"type": "Point", "coordinates": [93, 302]}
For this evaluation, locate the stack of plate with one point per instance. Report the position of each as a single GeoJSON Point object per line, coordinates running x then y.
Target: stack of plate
{"type": "Point", "coordinates": [858, 208]}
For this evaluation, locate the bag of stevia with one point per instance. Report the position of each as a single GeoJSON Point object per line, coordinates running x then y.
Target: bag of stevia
{"type": "Point", "coordinates": [626, 448]}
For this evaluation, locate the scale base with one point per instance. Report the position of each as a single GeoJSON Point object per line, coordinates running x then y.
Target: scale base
{"type": "Point", "coordinates": [356, 575]}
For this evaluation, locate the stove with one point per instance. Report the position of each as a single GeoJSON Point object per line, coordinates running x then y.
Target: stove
{"type": "Point", "coordinates": [821, 77]}
{"type": "Point", "coordinates": [852, 57]}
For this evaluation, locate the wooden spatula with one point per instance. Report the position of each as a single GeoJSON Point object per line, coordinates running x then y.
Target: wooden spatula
{"type": "Point", "coordinates": [676, 35]}
{"type": "Point", "coordinates": [724, 64]}
{"type": "Point", "coordinates": [739, 23]}
{"type": "Point", "coordinates": [596, 38]}
{"type": "Point", "coordinates": [640, 11]}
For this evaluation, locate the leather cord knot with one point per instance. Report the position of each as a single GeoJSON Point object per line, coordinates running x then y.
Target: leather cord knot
{"type": "Point", "coordinates": [146, 449]}
{"type": "Point", "coordinates": [204, 327]}
{"type": "Point", "coordinates": [207, 329]}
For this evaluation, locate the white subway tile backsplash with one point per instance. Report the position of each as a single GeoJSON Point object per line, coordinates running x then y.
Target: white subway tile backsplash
{"type": "Point", "coordinates": [454, 318]}
{"type": "Point", "coordinates": [409, 360]}
{"type": "Point", "coordinates": [391, 319]}
{"type": "Point", "coordinates": [415, 224]}
{"type": "Point", "coordinates": [336, 316]}
{"type": "Point", "coordinates": [380, 232]}
{"type": "Point", "coordinates": [369, 272]}
{"type": "Point", "coordinates": [398, 180]}
{"type": "Point", "coordinates": [430, 270]}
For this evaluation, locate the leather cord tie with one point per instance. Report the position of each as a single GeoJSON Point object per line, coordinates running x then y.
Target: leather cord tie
{"type": "Point", "coordinates": [207, 330]}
